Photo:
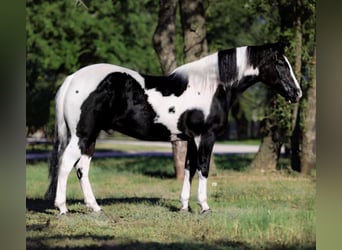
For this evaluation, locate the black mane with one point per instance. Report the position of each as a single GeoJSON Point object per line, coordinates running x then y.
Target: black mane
{"type": "Point", "coordinates": [227, 65]}
{"type": "Point", "coordinates": [256, 54]}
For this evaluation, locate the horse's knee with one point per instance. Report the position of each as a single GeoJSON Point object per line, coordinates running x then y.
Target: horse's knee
{"type": "Point", "coordinates": [204, 171]}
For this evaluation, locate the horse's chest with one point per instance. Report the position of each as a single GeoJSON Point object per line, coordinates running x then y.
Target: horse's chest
{"type": "Point", "coordinates": [169, 109]}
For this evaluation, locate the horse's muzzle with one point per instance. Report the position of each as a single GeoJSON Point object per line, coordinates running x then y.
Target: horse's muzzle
{"type": "Point", "coordinates": [295, 97]}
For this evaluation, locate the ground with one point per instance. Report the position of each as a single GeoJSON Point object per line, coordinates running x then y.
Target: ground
{"type": "Point", "coordinates": [140, 201]}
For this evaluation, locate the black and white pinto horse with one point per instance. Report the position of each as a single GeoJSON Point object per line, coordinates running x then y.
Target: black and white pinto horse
{"type": "Point", "coordinates": [189, 104]}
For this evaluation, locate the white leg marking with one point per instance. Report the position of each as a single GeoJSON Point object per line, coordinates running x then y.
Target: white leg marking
{"type": "Point", "coordinates": [89, 198]}
{"type": "Point", "coordinates": [70, 156]}
{"type": "Point", "coordinates": [185, 195]}
{"type": "Point", "coordinates": [202, 192]}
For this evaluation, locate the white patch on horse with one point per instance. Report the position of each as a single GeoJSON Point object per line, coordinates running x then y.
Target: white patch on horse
{"type": "Point", "coordinates": [203, 74]}
{"type": "Point", "coordinates": [202, 84]}
{"type": "Point", "coordinates": [242, 63]}
{"type": "Point", "coordinates": [89, 198]}
{"type": "Point", "coordinates": [197, 141]}
{"type": "Point", "coordinates": [202, 192]}
{"type": "Point", "coordinates": [185, 195]}
{"type": "Point", "coordinates": [70, 156]}
{"type": "Point", "coordinates": [294, 77]}
{"type": "Point", "coordinates": [60, 119]}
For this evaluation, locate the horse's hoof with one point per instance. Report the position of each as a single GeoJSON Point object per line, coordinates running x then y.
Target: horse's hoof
{"type": "Point", "coordinates": [93, 207]}
{"type": "Point", "coordinates": [62, 214]}
{"type": "Point", "coordinates": [207, 211]}
{"type": "Point", "coordinates": [185, 210]}
{"type": "Point", "coordinates": [94, 210]}
{"type": "Point", "coordinates": [97, 211]}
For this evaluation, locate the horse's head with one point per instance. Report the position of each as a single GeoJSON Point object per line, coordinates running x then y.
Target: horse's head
{"type": "Point", "coordinates": [276, 72]}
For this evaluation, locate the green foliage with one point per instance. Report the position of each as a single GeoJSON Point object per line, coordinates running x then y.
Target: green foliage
{"type": "Point", "coordinates": [62, 37]}
{"type": "Point", "coordinates": [236, 23]}
{"type": "Point", "coordinates": [281, 20]}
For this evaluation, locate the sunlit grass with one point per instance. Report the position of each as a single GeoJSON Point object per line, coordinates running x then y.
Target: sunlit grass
{"type": "Point", "coordinates": [140, 202]}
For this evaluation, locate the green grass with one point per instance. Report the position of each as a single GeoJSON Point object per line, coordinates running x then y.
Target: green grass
{"type": "Point", "coordinates": [140, 204]}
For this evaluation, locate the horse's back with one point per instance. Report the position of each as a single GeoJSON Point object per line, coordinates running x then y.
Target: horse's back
{"type": "Point", "coordinates": [79, 85]}
{"type": "Point", "coordinates": [89, 77]}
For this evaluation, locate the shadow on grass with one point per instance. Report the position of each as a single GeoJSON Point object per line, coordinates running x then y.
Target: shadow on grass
{"type": "Point", "coordinates": [109, 243]}
{"type": "Point", "coordinates": [237, 162]}
{"type": "Point", "coordinates": [152, 166]}
{"type": "Point", "coordinates": [44, 206]}
{"type": "Point", "coordinates": [162, 166]}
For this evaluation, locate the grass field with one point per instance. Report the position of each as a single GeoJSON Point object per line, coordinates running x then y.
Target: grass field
{"type": "Point", "coordinates": [140, 202]}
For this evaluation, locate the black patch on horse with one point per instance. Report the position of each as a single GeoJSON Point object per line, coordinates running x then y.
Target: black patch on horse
{"type": "Point", "coordinates": [258, 54]}
{"type": "Point", "coordinates": [191, 122]}
{"type": "Point", "coordinates": [174, 84]}
{"type": "Point", "coordinates": [227, 65]}
{"type": "Point", "coordinates": [118, 103]}
{"type": "Point", "coordinates": [172, 110]}
{"type": "Point", "coordinates": [217, 118]}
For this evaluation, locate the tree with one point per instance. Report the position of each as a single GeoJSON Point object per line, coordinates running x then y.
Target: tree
{"type": "Point", "coordinates": [277, 126]}
{"type": "Point", "coordinates": [308, 145]}
{"type": "Point", "coordinates": [164, 37]}
{"type": "Point", "coordinates": [164, 41]}
{"type": "Point", "coordinates": [273, 130]}
{"type": "Point", "coordinates": [303, 155]}
{"type": "Point", "coordinates": [195, 46]}
{"type": "Point", "coordinates": [62, 37]}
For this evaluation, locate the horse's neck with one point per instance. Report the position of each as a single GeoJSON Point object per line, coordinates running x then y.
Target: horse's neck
{"type": "Point", "coordinates": [244, 83]}
{"type": "Point", "coordinates": [238, 87]}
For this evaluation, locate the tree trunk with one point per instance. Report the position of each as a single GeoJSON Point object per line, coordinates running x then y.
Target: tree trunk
{"type": "Point", "coordinates": [179, 149]}
{"type": "Point", "coordinates": [195, 47]}
{"type": "Point", "coordinates": [308, 154]}
{"type": "Point", "coordinates": [267, 156]}
{"type": "Point", "coordinates": [241, 120]}
{"type": "Point", "coordinates": [194, 32]}
{"type": "Point", "coordinates": [296, 130]}
{"type": "Point", "coordinates": [164, 37]}
{"type": "Point", "coordinates": [164, 42]}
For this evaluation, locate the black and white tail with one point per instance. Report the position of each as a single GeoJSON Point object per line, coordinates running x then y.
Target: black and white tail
{"type": "Point", "coordinates": [60, 140]}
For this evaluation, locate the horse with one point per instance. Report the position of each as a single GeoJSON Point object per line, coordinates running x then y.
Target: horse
{"type": "Point", "coordinates": [191, 104]}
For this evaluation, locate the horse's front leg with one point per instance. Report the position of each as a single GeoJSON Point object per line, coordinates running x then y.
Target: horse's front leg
{"type": "Point", "coordinates": [189, 172]}
{"type": "Point", "coordinates": [205, 149]}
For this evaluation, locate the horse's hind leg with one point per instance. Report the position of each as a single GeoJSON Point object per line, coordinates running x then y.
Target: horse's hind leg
{"type": "Point", "coordinates": [82, 170]}
{"type": "Point", "coordinates": [69, 158]}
